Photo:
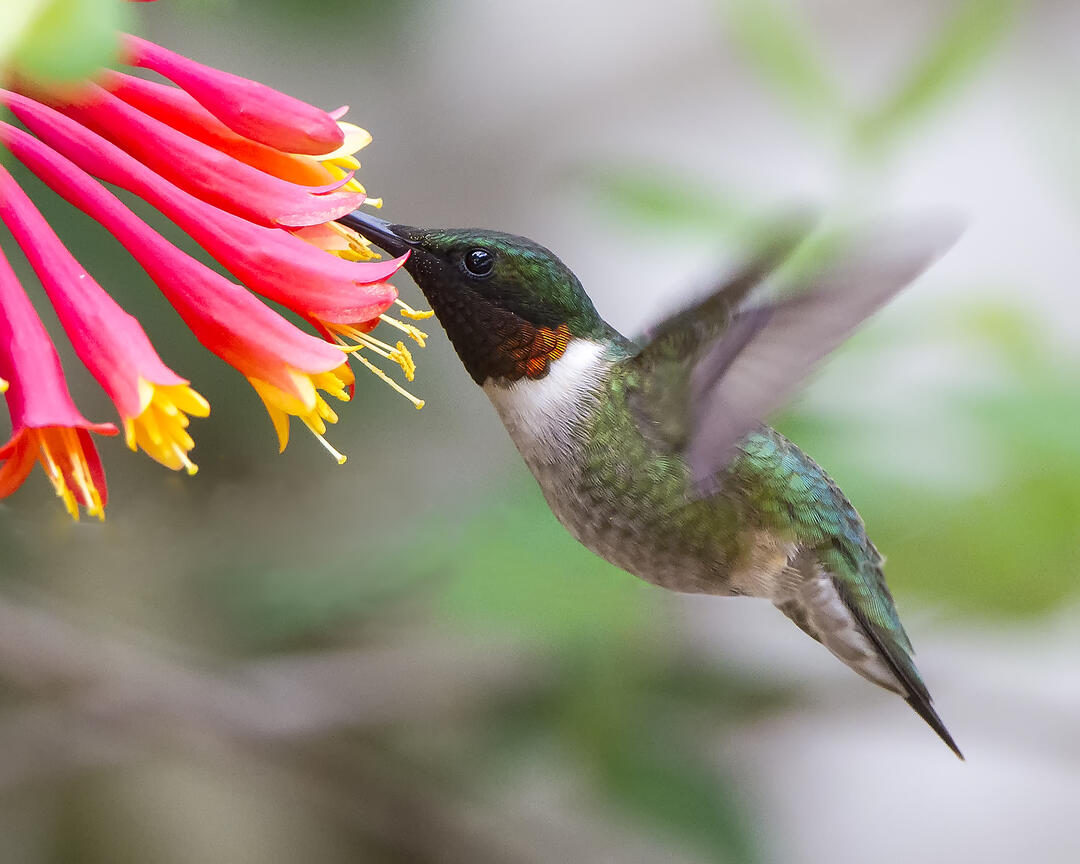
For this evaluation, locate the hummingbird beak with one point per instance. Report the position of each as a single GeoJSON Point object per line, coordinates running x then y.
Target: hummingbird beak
{"type": "Point", "coordinates": [379, 231]}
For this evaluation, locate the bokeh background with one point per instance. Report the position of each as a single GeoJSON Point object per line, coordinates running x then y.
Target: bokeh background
{"type": "Point", "coordinates": [406, 659]}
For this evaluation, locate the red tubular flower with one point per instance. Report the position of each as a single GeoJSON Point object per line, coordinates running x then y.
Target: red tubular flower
{"type": "Point", "coordinates": [323, 288]}
{"type": "Point", "coordinates": [46, 426]}
{"type": "Point", "coordinates": [247, 107]}
{"type": "Point", "coordinates": [215, 177]}
{"type": "Point", "coordinates": [257, 179]}
{"type": "Point", "coordinates": [285, 365]}
{"type": "Point", "coordinates": [173, 106]}
{"type": "Point", "coordinates": [153, 401]}
{"type": "Point", "coordinates": [344, 299]}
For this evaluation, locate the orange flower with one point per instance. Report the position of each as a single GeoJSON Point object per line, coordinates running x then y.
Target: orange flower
{"type": "Point", "coordinates": [46, 427]}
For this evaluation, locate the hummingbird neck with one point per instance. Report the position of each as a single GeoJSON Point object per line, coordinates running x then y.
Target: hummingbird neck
{"type": "Point", "coordinates": [496, 343]}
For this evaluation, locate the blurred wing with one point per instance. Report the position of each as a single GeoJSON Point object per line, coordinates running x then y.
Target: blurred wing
{"type": "Point", "coordinates": [758, 360]}
{"type": "Point", "coordinates": [660, 393]}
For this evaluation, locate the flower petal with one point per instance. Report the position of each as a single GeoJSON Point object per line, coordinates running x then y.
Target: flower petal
{"type": "Point", "coordinates": [247, 107]}
{"type": "Point", "coordinates": [109, 341]}
{"type": "Point", "coordinates": [224, 317]}
{"type": "Point", "coordinates": [270, 261]}
{"type": "Point", "coordinates": [173, 106]}
{"type": "Point", "coordinates": [38, 395]}
{"type": "Point", "coordinates": [199, 169]}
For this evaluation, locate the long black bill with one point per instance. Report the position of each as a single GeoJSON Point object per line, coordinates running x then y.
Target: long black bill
{"type": "Point", "coordinates": [378, 231]}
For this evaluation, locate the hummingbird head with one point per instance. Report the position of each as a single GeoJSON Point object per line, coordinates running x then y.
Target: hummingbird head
{"type": "Point", "coordinates": [509, 306]}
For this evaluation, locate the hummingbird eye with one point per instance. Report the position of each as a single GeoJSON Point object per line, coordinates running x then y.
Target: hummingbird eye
{"type": "Point", "coordinates": [479, 262]}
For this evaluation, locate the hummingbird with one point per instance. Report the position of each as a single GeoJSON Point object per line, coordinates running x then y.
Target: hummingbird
{"type": "Point", "coordinates": [653, 453]}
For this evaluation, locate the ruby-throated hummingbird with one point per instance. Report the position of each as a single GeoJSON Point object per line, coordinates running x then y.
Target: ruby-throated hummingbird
{"type": "Point", "coordinates": [654, 455]}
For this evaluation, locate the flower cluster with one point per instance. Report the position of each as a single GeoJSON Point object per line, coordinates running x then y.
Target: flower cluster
{"type": "Point", "coordinates": [254, 177]}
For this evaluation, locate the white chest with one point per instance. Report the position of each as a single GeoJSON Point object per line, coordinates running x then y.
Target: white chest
{"type": "Point", "coordinates": [541, 416]}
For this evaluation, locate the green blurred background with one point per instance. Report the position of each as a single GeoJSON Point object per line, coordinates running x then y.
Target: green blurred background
{"type": "Point", "coordinates": [406, 659]}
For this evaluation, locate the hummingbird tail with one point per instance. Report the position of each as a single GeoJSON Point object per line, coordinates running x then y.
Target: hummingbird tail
{"type": "Point", "coordinates": [855, 619]}
{"type": "Point", "coordinates": [925, 710]}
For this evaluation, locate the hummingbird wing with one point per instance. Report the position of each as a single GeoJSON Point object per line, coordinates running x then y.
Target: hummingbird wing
{"type": "Point", "coordinates": [713, 372]}
{"type": "Point", "coordinates": [673, 346]}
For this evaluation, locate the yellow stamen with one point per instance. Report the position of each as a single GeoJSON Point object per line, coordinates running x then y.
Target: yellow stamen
{"type": "Point", "coordinates": [160, 429]}
{"type": "Point", "coordinates": [3, 385]}
{"type": "Point", "coordinates": [357, 247]}
{"type": "Point", "coordinates": [371, 367]}
{"type": "Point", "coordinates": [314, 411]}
{"type": "Point", "coordinates": [415, 314]}
{"type": "Point", "coordinates": [61, 454]}
{"type": "Point", "coordinates": [342, 241]}
{"type": "Point", "coordinates": [398, 353]}
{"type": "Point", "coordinates": [415, 333]}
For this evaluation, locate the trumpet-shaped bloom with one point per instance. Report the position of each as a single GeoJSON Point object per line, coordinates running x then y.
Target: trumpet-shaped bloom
{"type": "Point", "coordinates": [257, 179]}
{"type": "Point", "coordinates": [247, 107]}
{"type": "Point", "coordinates": [275, 263]}
{"type": "Point", "coordinates": [174, 107]}
{"type": "Point", "coordinates": [46, 427]}
{"type": "Point", "coordinates": [277, 357]}
{"type": "Point", "coordinates": [152, 400]}
{"type": "Point", "coordinates": [215, 177]}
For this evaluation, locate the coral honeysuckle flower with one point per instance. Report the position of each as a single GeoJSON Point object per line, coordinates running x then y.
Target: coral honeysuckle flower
{"type": "Point", "coordinates": [340, 297]}
{"type": "Point", "coordinates": [285, 365]}
{"type": "Point", "coordinates": [277, 264]}
{"type": "Point", "coordinates": [46, 426]}
{"type": "Point", "coordinates": [247, 107]}
{"type": "Point", "coordinates": [258, 180]}
{"type": "Point", "coordinates": [153, 401]}
{"type": "Point", "coordinates": [198, 168]}
{"type": "Point", "coordinates": [177, 109]}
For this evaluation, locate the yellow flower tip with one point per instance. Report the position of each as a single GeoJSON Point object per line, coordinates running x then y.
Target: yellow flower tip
{"type": "Point", "coordinates": [3, 385]}
{"type": "Point", "coordinates": [343, 242]}
{"type": "Point", "coordinates": [415, 314]}
{"type": "Point", "coordinates": [415, 333]}
{"type": "Point", "coordinates": [356, 139]}
{"type": "Point", "coordinates": [61, 454]}
{"type": "Point", "coordinates": [161, 429]}
{"type": "Point", "coordinates": [313, 410]}
{"type": "Point", "coordinates": [398, 353]}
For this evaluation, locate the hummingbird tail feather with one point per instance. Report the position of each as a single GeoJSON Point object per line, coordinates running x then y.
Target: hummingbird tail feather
{"type": "Point", "coordinates": [859, 626]}
{"type": "Point", "coordinates": [924, 709]}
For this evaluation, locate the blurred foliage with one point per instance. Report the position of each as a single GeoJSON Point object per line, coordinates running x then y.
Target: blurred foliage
{"type": "Point", "coordinates": [961, 547]}
{"type": "Point", "coordinates": [62, 40]}
{"type": "Point", "coordinates": [783, 52]}
{"type": "Point", "coordinates": [967, 38]}
{"type": "Point", "coordinates": [624, 680]}
{"type": "Point", "coordinates": [1007, 546]}
{"type": "Point", "coordinates": [625, 705]}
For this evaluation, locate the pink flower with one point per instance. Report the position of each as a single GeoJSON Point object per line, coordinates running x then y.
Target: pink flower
{"type": "Point", "coordinates": [202, 170]}
{"type": "Point", "coordinates": [152, 400]}
{"type": "Point", "coordinates": [272, 262]}
{"type": "Point", "coordinates": [285, 365]}
{"type": "Point", "coordinates": [256, 178]}
{"type": "Point", "coordinates": [46, 426]}
{"type": "Point", "coordinates": [247, 107]}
